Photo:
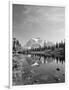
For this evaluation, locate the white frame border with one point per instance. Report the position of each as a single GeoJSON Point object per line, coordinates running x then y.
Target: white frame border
{"type": "Point", "coordinates": [10, 44]}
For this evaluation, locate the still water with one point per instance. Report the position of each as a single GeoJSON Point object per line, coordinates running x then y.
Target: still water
{"type": "Point", "coordinates": [40, 69]}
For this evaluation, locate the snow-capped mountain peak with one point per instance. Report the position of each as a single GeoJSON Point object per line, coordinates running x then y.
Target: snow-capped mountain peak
{"type": "Point", "coordinates": [35, 39]}
{"type": "Point", "coordinates": [36, 43]}
{"type": "Point", "coordinates": [33, 43]}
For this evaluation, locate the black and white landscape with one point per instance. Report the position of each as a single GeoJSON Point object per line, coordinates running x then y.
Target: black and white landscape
{"type": "Point", "coordinates": [38, 52]}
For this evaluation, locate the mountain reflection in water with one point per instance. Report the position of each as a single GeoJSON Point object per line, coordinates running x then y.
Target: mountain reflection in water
{"type": "Point", "coordinates": [48, 59]}
{"type": "Point", "coordinates": [40, 69]}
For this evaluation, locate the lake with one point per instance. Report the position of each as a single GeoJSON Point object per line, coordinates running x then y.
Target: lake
{"type": "Point", "coordinates": [38, 69]}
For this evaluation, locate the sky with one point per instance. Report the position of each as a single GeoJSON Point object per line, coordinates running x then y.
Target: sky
{"type": "Point", "coordinates": [33, 21]}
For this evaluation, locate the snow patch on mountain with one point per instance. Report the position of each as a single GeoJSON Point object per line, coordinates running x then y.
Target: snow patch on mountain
{"type": "Point", "coordinates": [36, 43]}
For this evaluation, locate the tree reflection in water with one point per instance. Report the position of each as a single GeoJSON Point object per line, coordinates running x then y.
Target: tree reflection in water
{"type": "Point", "coordinates": [48, 59]}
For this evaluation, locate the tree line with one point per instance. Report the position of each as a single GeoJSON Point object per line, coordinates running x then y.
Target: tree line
{"type": "Point", "coordinates": [17, 46]}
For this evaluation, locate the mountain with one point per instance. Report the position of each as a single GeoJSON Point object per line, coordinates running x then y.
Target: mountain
{"type": "Point", "coordinates": [36, 43]}
{"type": "Point", "coordinates": [33, 43]}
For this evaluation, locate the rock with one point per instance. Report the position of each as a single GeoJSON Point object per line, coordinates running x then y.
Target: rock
{"type": "Point", "coordinates": [58, 69]}
{"type": "Point", "coordinates": [63, 74]}
{"type": "Point", "coordinates": [32, 71]}
{"type": "Point", "coordinates": [57, 78]}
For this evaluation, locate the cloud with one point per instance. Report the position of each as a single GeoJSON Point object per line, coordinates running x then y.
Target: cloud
{"type": "Point", "coordinates": [40, 21]}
